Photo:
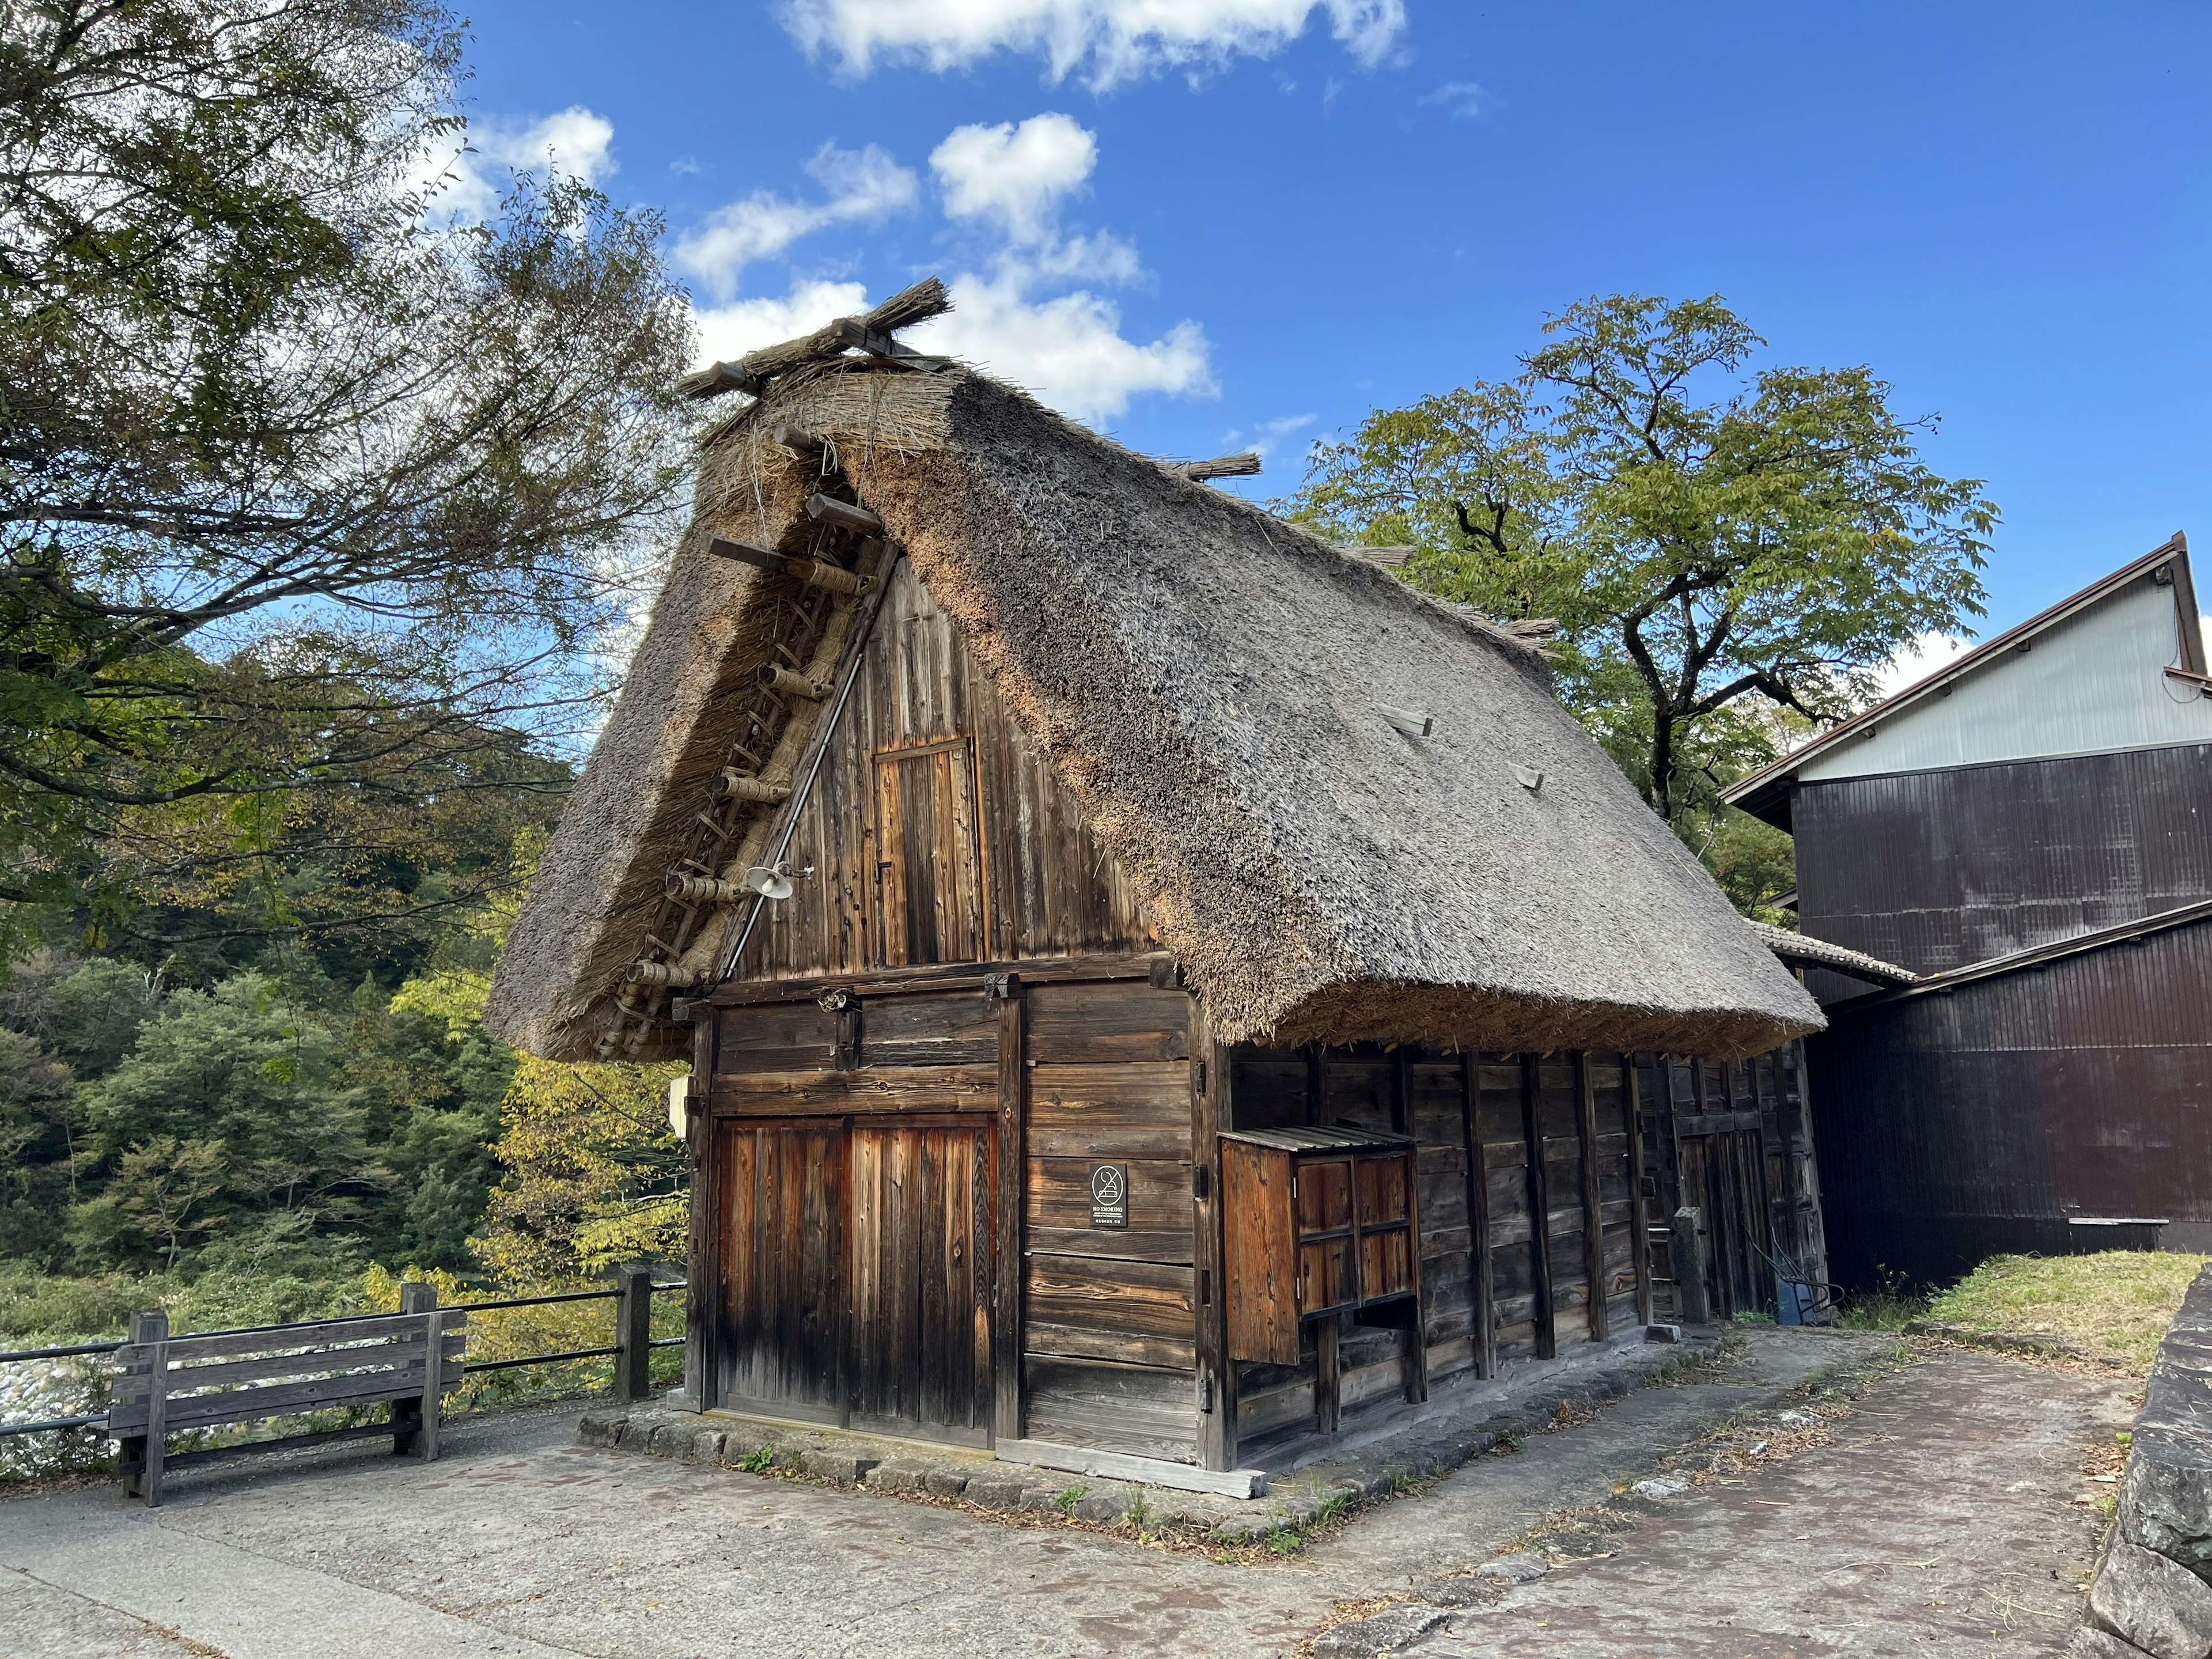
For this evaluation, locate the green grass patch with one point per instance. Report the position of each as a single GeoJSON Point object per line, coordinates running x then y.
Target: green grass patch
{"type": "Point", "coordinates": [1886, 1307]}
{"type": "Point", "coordinates": [2114, 1305]}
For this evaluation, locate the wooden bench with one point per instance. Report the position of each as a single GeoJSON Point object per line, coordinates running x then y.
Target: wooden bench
{"type": "Point", "coordinates": [164, 1385]}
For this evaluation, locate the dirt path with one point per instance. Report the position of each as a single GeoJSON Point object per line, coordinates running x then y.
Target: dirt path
{"type": "Point", "coordinates": [523, 1544]}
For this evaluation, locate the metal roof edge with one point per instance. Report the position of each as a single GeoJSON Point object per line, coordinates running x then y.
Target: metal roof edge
{"type": "Point", "coordinates": [1754, 792]}
{"type": "Point", "coordinates": [2034, 955]}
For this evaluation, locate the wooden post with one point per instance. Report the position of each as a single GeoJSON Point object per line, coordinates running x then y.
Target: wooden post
{"type": "Point", "coordinates": [1013, 1172]}
{"type": "Point", "coordinates": [1593, 1212]}
{"type": "Point", "coordinates": [1639, 1216]}
{"type": "Point", "coordinates": [1413, 1351]}
{"type": "Point", "coordinates": [1478, 1220]}
{"type": "Point", "coordinates": [1539, 1211]}
{"type": "Point", "coordinates": [703, 1294]}
{"type": "Point", "coordinates": [418, 1298]}
{"type": "Point", "coordinates": [149, 1331]}
{"type": "Point", "coordinates": [1691, 1302]}
{"type": "Point", "coordinates": [1328, 1377]}
{"type": "Point", "coordinates": [633, 1377]}
{"type": "Point", "coordinates": [1210, 1082]}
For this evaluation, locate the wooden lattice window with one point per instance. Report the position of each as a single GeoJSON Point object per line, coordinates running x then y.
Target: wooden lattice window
{"type": "Point", "coordinates": [930, 870]}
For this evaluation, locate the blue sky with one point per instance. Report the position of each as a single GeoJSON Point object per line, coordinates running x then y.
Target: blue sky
{"type": "Point", "coordinates": [1287, 215]}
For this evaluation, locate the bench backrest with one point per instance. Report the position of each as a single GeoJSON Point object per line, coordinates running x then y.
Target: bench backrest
{"type": "Point", "coordinates": [237, 1377]}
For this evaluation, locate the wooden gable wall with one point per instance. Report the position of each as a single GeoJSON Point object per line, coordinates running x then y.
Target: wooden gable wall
{"type": "Point", "coordinates": [936, 831]}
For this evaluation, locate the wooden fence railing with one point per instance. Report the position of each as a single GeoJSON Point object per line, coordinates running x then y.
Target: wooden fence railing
{"type": "Point", "coordinates": [165, 1383]}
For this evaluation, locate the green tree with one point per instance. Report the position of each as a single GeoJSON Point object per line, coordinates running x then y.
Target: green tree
{"type": "Point", "coordinates": [593, 1176]}
{"type": "Point", "coordinates": [229, 1097]}
{"type": "Point", "coordinates": [38, 1119]}
{"type": "Point", "coordinates": [1726, 550]}
{"type": "Point", "coordinates": [305, 490]}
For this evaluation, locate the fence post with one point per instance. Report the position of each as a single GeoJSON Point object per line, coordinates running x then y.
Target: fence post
{"type": "Point", "coordinates": [418, 1298]}
{"type": "Point", "coordinates": [1691, 1305]}
{"type": "Point", "coordinates": [149, 1332]}
{"type": "Point", "coordinates": [634, 1332]}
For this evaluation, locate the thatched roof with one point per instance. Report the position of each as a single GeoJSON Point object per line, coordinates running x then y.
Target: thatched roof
{"type": "Point", "coordinates": [1224, 693]}
{"type": "Point", "coordinates": [1809, 952]}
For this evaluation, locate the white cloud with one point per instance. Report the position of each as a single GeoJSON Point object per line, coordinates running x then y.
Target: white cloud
{"type": "Point", "coordinates": [1262, 439]}
{"type": "Point", "coordinates": [864, 185]}
{"type": "Point", "coordinates": [1014, 177]}
{"type": "Point", "coordinates": [1462, 98]}
{"type": "Point", "coordinates": [1014, 180]}
{"type": "Point", "coordinates": [465, 182]}
{"type": "Point", "coordinates": [1028, 314]}
{"type": "Point", "coordinates": [1111, 41]}
{"type": "Point", "coordinates": [1918, 659]}
{"type": "Point", "coordinates": [727, 332]}
{"type": "Point", "coordinates": [1067, 350]}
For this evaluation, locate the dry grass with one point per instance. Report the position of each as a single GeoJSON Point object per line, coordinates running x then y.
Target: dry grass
{"type": "Point", "coordinates": [2113, 1306]}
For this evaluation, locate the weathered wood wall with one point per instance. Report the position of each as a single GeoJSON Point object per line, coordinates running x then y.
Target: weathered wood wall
{"type": "Point", "coordinates": [1733, 1140]}
{"type": "Point", "coordinates": [1109, 1315]}
{"type": "Point", "coordinates": [935, 831]}
{"type": "Point", "coordinates": [1472, 1116]}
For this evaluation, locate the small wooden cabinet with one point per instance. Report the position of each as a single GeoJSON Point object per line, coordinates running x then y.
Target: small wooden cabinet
{"type": "Point", "coordinates": [1316, 1222]}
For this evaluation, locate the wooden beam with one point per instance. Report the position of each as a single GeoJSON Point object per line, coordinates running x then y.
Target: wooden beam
{"type": "Point", "coordinates": [752, 373]}
{"type": "Point", "coordinates": [1245, 464]}
{"type": "Point", "coordinates": [1478, 1221]}
{"type": "Point", "coordinates": [1407, 722]}
{"type": "Point", "coordinates": [1125, 1465]}
{"type": "Point", "coordinates": [1329, 1374]}
{"type": "Point", "coordinates": [876, 343]}
{"type": "Point", "coordinates": [1539, 1211]}
{"type": "Point", "coordinates": [718, 378]}
{"type": "Point", "coordinates": [1210, 1113]}
{"type": "Point", "coordinates": [1007, 1424]}
{"type": "Point", "coordinates": [1640, 1213]}
{"type": "Point", "coordinates": [1593, 1212]}
{"type": "Point", "coordinates": [934, 976]}
{"type": "Point", "coordinates": [829, 510]}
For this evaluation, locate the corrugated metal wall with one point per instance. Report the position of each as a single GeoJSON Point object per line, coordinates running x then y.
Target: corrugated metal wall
{"type": "Point", "coordinates": [1941, 870]}
{"type": "Point", "coordinates": [2095, 682]}
{"type": "Point", "coordinates": [1956, 1124]}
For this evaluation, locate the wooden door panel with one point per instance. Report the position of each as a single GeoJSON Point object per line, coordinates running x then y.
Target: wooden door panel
{"type": "Point", "coordinates": [930, 874]}
{"type": "Point", "coordinates": [922, 1279]}
{"type": "Point", "coordinates": [782, 1338]}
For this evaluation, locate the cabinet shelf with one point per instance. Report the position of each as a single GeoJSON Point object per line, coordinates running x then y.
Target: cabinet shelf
{"type": "Point", "coordinates": [1316, 1222]}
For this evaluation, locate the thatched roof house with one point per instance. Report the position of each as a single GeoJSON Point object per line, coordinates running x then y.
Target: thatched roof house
{"type": "Point", "coordinates": [1234, 703]}
{"type": "Point", "coordinates": [1048, 863]}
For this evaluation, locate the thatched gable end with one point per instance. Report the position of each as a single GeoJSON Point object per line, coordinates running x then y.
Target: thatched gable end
{"type": "Point", "coordinates": [1237, 704]}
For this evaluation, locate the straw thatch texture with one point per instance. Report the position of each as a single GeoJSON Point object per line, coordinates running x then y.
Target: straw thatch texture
{"type": "Point", "coordinates": [1811, 952]}
{"type": "Point", "coordinates": [1213, 685]}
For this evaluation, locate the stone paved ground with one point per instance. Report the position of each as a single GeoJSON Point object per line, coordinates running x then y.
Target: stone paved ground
{"type": "Point", "coordinates": [1898, 1539]}
{"type": "Point", "coordinates": [1942, 1523]}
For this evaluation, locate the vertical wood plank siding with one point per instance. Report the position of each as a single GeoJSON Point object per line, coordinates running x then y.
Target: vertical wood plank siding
{"type": "Point", "coordinates": [934, 812]}
{"type": "Point", "coordinates": [1479, 1304]}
